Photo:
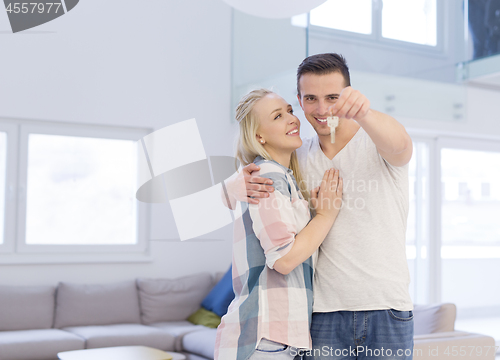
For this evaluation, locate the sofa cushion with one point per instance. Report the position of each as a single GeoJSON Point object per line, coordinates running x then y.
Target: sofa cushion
{"type": "Point", "coordinates": [200, 343]}
{"type": "Point", "coordinates": [219, 276]}
{"type": "Point", "coordinates": [172, 299]}
{"type": "Point", "coordinates": [37, 344]}
{"type": "Point", "coordinates": [123, 335]}
{"type": "Point", "coordinates": [205, 317]}
{"type": "Point", "coordinates": [26, 307]}
{"type": "Point", "coordinates": [219, 298]}
{"type": "Point", "coordinates": [97, 304]}
{"type": "Point", "coordinates": [450, 345]}
{"type": "Point", "coordinates": [177, 329]}
{"type": "Point", "coordinates": [434, 318]}
{"type": "Point", "coordinates": [195, 357]}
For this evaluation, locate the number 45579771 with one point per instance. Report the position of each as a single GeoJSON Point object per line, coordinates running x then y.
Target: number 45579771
{"type": "Point", "coordinates": [40, 8]}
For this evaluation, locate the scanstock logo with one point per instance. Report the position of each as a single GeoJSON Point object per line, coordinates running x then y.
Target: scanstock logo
{"type": "Point", "coordinates": [27, 15]}
{"type": "Point", "coordinates": [174, 168]}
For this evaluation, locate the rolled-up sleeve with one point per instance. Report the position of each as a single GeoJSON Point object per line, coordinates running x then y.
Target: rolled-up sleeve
{"type": "Point", "coordinates": [273, 218]}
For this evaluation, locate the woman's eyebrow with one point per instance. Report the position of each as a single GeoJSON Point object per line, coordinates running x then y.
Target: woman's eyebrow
{"type": "Point", "coordinates": [275, 110]}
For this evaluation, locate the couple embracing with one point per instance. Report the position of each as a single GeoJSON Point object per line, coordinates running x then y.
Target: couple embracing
{"type": "Point", "coordinates": [319, 261]}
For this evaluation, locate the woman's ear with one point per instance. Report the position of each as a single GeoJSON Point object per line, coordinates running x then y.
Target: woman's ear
{"type": "Point", "coordinates": [260, 139]}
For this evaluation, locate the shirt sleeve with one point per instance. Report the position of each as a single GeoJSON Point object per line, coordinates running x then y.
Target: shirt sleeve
{"type": "Point", "coordinates": [398, 174]}
{"type": "Point", "coordinates": [273, 218]}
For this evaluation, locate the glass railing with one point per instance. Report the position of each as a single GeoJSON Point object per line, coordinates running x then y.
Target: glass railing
{"type": "Point", "coordinates": [481, 64]}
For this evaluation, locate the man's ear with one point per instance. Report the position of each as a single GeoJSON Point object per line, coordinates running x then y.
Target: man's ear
{"type": "Point", "coordinates": [300, 101]}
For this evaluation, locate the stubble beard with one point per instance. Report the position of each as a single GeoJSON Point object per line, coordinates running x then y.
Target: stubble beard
{"type": "Point", "coordinates": [318, 128]}
{"type": "Point", "coordinates": [323, 132]}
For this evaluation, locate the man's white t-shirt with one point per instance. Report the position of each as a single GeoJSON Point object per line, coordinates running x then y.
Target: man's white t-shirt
{"type": "Point", "coordinates": [361, 264]}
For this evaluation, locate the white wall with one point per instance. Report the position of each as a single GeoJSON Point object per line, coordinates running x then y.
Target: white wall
{"type": "Point", "coordinates": [481, 108]}
{"type": "Point", "coordinates": [144, 64]}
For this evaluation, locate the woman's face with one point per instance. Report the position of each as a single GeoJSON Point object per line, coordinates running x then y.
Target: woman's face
{"type": "Point", "coordinates": [278, 128]}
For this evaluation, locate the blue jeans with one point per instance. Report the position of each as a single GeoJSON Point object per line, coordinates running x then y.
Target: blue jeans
{"type": "Point", "coordinates": [375, 334]}
{"type": "Point", "coordinates": [271, 350]}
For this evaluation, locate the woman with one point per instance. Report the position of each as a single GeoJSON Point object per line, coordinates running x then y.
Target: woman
{"type": "Point", "coordinates": [272, 265]}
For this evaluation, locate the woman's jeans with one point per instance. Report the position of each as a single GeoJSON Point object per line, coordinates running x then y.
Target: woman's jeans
{"type": "Point", "coordinates": [268, 349]}
{"type": "Point", "coordinates": [375, 334]}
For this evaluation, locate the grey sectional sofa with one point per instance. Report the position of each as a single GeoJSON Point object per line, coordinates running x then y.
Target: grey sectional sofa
{"type": "Point", "coordinates": [37, 322]}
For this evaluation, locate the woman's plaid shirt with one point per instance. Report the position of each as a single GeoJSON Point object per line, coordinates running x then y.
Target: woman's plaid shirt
{"type": "Point", "coordinates": [268, 304]}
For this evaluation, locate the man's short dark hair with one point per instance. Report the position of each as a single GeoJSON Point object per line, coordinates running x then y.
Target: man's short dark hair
{"type": "Point", "coordinates": [322, 64]}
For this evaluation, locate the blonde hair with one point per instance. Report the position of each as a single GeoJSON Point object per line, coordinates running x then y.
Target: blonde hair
{"type": "Point", "coordinates": [248, 148]}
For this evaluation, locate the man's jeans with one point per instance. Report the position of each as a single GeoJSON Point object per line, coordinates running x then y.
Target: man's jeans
{"type": "Point", "coordinates": [375, 334]}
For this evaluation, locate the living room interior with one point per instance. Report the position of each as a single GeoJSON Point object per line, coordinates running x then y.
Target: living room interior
{"type": "Point", "coordinates": [80, 95]}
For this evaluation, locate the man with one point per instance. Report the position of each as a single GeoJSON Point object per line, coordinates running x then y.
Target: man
{"type": "Point", "coordinates": [362, 308]}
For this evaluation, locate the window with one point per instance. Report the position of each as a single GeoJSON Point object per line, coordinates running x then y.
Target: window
{"type": "Point", "coordinates": [453, 235]}
{"type": "Point", "coordinates": [353, 15]}
{"type": "Point", "coordinates": [485, 190]}
{"type": "Point", "coordinates": [74, 189]}
{"type": "Point", "coordinates": [3, 171]}
{"type": "Point", "coordinates": [87, 183]}
{"type": "Point", "coordinates": [412, 23]}
{"type": "Point", "coordinates": [469, 216]}
{"type": "Point", "coordinates": [417, 231]}
{"type": "Point", "coordinates": [470, 232]}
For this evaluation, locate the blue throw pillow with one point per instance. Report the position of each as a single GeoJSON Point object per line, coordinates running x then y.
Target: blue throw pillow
{"type": "Point", "coordinates": [220, 297]}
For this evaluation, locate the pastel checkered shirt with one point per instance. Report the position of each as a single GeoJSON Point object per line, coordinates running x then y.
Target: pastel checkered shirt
{"type": "Point", "coordinates": [268, 304]}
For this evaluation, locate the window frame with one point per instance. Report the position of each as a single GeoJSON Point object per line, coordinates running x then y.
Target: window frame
{"type": "Point", "coordinates": [471, 144]}
{"type": "Point", "coordinates": [436, 141]}
{"type": "Point", "coordinates": [21, 253]}
{"type": "Point", "coordinates": [421, 272]}
{"type": "Point", "coordinates": [10, 190]}
{"type": "Point", "coordinates": [375, 39]}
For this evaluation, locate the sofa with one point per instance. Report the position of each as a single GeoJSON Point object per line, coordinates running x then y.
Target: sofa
{"type": "Point", "coordinates": [37, 322]}
{"type": "Point", "coordinates": [435, 336]}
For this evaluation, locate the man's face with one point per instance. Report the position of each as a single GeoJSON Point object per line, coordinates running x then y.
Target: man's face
{"type": "Point", "coordinates": [317, 94]}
